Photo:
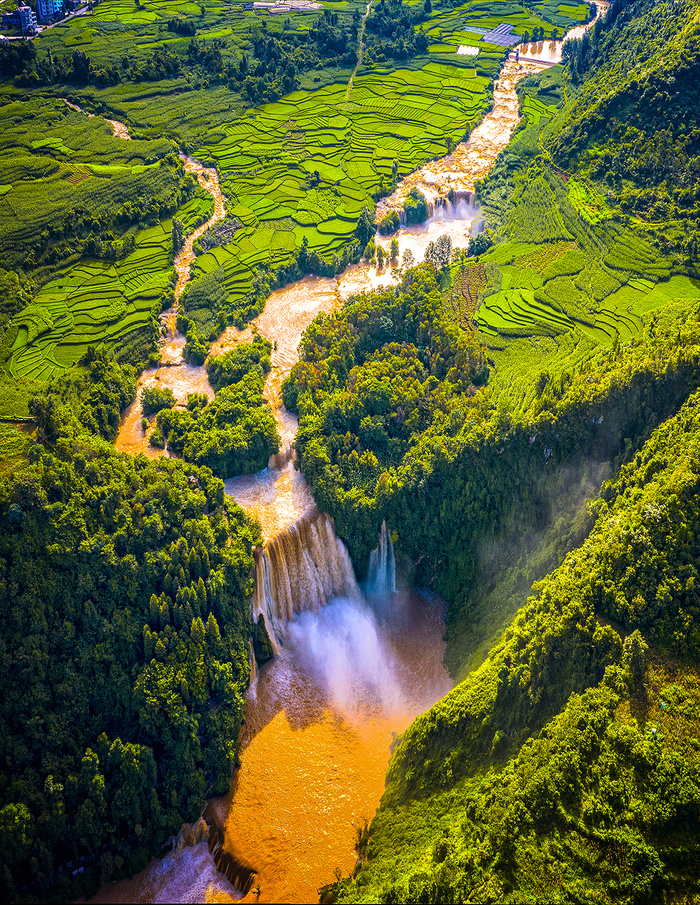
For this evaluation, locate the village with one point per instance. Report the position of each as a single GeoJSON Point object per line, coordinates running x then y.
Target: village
{"type": "Point", "coordinates": [23, 19]}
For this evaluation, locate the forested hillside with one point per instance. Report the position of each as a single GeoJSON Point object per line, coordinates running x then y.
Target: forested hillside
{"type": "Point", "coordinates": [124, 589]}
{"type": "Point", "coordinates": [567, 767]}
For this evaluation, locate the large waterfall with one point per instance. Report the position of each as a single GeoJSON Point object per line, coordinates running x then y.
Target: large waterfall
{"type": "Point", "coordinates": [381, 578]}
{"type": "Point", "coordinates": [303, 568]}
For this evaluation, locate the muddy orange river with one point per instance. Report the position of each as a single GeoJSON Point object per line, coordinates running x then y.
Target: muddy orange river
{"type": "Point", "coordinates": [352, 669]}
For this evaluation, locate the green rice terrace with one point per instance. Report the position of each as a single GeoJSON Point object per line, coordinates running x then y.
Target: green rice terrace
{"type": "Point", "coordinates": [296, 171]}
{"type": "Point", "coordinates": [568, 273]}
{"type": "Point", "coordinates": [303, 168]}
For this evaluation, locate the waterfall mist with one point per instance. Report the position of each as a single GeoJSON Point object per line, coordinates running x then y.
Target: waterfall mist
{"type": "Point", "coordinates": [341, 646]}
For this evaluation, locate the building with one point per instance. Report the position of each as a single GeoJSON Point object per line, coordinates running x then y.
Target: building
{"type": "Point", "coordinates": [27, 18]}
{"type": "Point", "coordinates": [10, 20]}
{"type": "Point", "coordinates": [48, 10]}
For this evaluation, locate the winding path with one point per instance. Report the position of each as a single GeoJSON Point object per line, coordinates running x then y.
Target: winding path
{"type": "Point", "coordinates": [360, 51]}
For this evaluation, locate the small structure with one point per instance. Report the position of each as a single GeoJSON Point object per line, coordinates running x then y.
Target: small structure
{"type": "Point", "coordinates": [502, 35]}
{"type": "Point", "coordinates": [23, 18]}
{"type": "Point", "coordinates": [27, 19]}
{"type": "Point", "coordinates": [10, 20]}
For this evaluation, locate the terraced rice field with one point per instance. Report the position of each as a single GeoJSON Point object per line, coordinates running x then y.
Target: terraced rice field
{"type": "Point", "coordinates": [305, 166]}
{"type": "Point", "coordinates": [54, 161]}
{"type": "Point", "coordinates": [300, 169]}
{"type": "Point", "coordinates": [560, 288]}
{"type": "Point", "coordinates": [91, 303]}
{"type": "Point", "coordinates": [97, 302]}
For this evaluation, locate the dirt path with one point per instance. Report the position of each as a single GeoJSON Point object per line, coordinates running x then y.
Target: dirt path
{"type": "Point", "coordinates": [360, 51]}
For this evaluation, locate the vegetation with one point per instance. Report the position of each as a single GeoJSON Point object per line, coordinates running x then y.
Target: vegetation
{"type": "Point", "coordinates": [126, 582]}
{"type": "Point", "coordinates": [416, 208]}
{"type": "Point", "coordinates": [154, 399]}
{"type": "Point", "coordinates": [296, 201]}
{"type": "Point", "coordinates": [125, 618]}
{"type": "Point", "coordinates": [564, 765]}
{"type": "Point", "coordinates": [592, 746]}
{"type": "Point", "coordinates": [235, 433]}
{"type": "Point", "coordinates": [70, 187]}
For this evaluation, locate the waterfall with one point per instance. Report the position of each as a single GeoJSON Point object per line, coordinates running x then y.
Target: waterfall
{"type": "Point", "coordinates": [303, 568]}
{"type": "Point", "coordinates": [462, 196]}
{"type": "Point", "coordinates": [381, 577]}
{"type": "Point", "coordinates": [253, 663]}
{"type": "Point", "coordinates": [457, 205]}
{"type": "Point", "coordinates": [240, 875]}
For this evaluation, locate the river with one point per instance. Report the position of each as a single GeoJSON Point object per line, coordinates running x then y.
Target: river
{"type": "Point", "coordinates": [354, 666]}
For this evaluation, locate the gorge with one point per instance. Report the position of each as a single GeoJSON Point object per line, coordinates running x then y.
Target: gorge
{"type": "Point", "coordinates": [341, 685]}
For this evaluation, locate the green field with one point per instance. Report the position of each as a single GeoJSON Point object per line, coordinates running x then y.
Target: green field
{"type": "Point", "coordinates": [297, 169]}
{"type": "Point", "coordinates": [304, 167]}
{"type": "Point", "coordinates": [567, 273]}
{"type": "Point", "coordinates": [58, 165]}
{"type": "Point", "coordinates": [90, 303]}
{"type": "Point", "coordinates": [98, 301]}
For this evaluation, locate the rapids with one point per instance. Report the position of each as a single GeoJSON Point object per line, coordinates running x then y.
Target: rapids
{"type": "Point", "coordinates": [352, 669]}
{"type": "Point", "coordinates": [120, 130]}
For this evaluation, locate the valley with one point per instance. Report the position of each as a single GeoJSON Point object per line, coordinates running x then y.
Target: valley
{"type": "Point", "coordinates": [349, 417]}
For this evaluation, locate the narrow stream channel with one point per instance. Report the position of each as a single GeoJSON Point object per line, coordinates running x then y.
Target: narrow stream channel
{"type": "Point", "coordinates": [354, 666]}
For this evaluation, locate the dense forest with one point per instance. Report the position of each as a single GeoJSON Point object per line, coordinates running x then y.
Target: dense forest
{"type": "Point", "coordinates": [235, 433]}
{"type": "Point", "coordinates": [125, 618]}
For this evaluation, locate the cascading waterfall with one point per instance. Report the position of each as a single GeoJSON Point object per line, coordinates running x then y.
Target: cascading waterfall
{"type": "Point", "coordinates": [381, 577]}
{"type": "Point", "coordinates": [303, 568]}
{"type": "Point", "coordinates": [253, 662]}
{"type": "Point", "coordinates": [459, 204]}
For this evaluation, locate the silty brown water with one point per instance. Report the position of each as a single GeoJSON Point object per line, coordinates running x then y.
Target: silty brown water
{"type": "Point", "coordinates": [173, 373]}
{"type": "Point", "coordinates": [319, 725]}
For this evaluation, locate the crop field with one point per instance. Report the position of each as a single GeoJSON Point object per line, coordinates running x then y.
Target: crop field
{"type": "Point", "coordinates": [298, 169]}
{"type": "Point", "coordinates": [550, 289]}
{"type": "Point", "coordinates": [54, 160]}
{"type": "Point", "coordinates": [124, 28]}
{"type": "Point", "coordinates": [549, 305]}
{"type": "Point", "coordinates": [467, 23]}
{"type": "Point", "coordinates": [89, 303]}
{"type": "Point", "coordinates": [587, 202]}
{"type": "Point", "coordinates": [567, 273]}
{"type": "Point", "coordinates": [305, 166]}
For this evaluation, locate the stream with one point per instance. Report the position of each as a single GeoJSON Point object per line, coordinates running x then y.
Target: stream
{"type": "Point", "coordinates": [353, 666]}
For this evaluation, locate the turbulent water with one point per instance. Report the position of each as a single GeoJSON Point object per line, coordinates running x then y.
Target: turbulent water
{"type": "Point", "coordinates": [320, 719]}
{"type": "Point", "coordinates": [352, 667]}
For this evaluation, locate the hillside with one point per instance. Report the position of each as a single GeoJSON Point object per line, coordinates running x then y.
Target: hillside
{"type": "Point", "coordinates": [539, 775]}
